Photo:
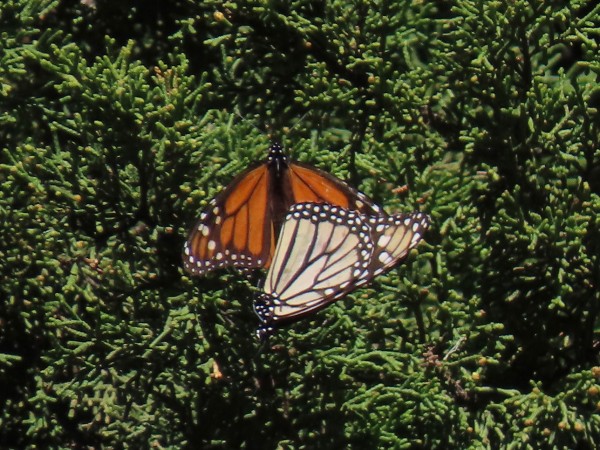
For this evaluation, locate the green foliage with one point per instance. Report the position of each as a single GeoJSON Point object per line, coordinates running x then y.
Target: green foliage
{"type": "Point", "coordinates": [118, 122]}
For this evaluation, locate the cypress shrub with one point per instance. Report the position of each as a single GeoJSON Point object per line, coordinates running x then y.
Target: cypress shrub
{"type": "Point", "coordinates": [119, 121]}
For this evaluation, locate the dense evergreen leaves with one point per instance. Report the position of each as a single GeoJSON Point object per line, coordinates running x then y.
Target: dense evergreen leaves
{"type": "Point", "coordinates": [118, 123]}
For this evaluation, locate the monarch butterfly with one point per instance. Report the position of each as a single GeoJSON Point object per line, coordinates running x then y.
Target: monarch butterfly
{"type": "Point", "coordinates": [240, 226]}
{"type": "Point", "coordinates": [324, 252]}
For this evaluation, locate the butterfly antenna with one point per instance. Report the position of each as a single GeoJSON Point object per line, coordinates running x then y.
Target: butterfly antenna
{"type": "Point", "coordinates": [237, 113]}
{"type": "Point", "coordinates": [266, 131]}
{"type": "Point", "coordinates": [298, 121]}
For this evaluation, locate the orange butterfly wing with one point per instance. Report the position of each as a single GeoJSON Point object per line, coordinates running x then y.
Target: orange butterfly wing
{"type": "Point", "coordinates": [241, 225]}
{"type": "Point", "coordinates": [309, 184]}
{"type": "Point", "coordinates": [235, 228]}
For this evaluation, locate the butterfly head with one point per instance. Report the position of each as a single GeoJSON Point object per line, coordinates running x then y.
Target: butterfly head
{"type": "Point", "coordinates": [276, 155]}
{"type": "Point", "coordinates": [264, 307]}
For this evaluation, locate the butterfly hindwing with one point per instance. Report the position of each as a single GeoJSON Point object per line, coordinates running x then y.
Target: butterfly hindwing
{"type": "Point", "coordinates": [324, 252]}
{"type": "Point", "coordinates": [394, 236]}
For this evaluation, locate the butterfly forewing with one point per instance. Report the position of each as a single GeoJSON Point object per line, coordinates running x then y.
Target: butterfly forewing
{"type": "Point", "coordinates": [241, 225]}
{"type": "Point", "coordinates": [235, 229]}
{"type": "Point", "coordinates": [310, 184]}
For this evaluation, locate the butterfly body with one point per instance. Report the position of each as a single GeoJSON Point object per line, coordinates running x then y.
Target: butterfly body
{"type": "Point", "coordinates": [325, 252]}
{"type": "Point", "coordinates": [241, 225]}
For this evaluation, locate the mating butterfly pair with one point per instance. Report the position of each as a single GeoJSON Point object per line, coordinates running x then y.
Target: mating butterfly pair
{"type": "Point", "coordinates": [319, 238]}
